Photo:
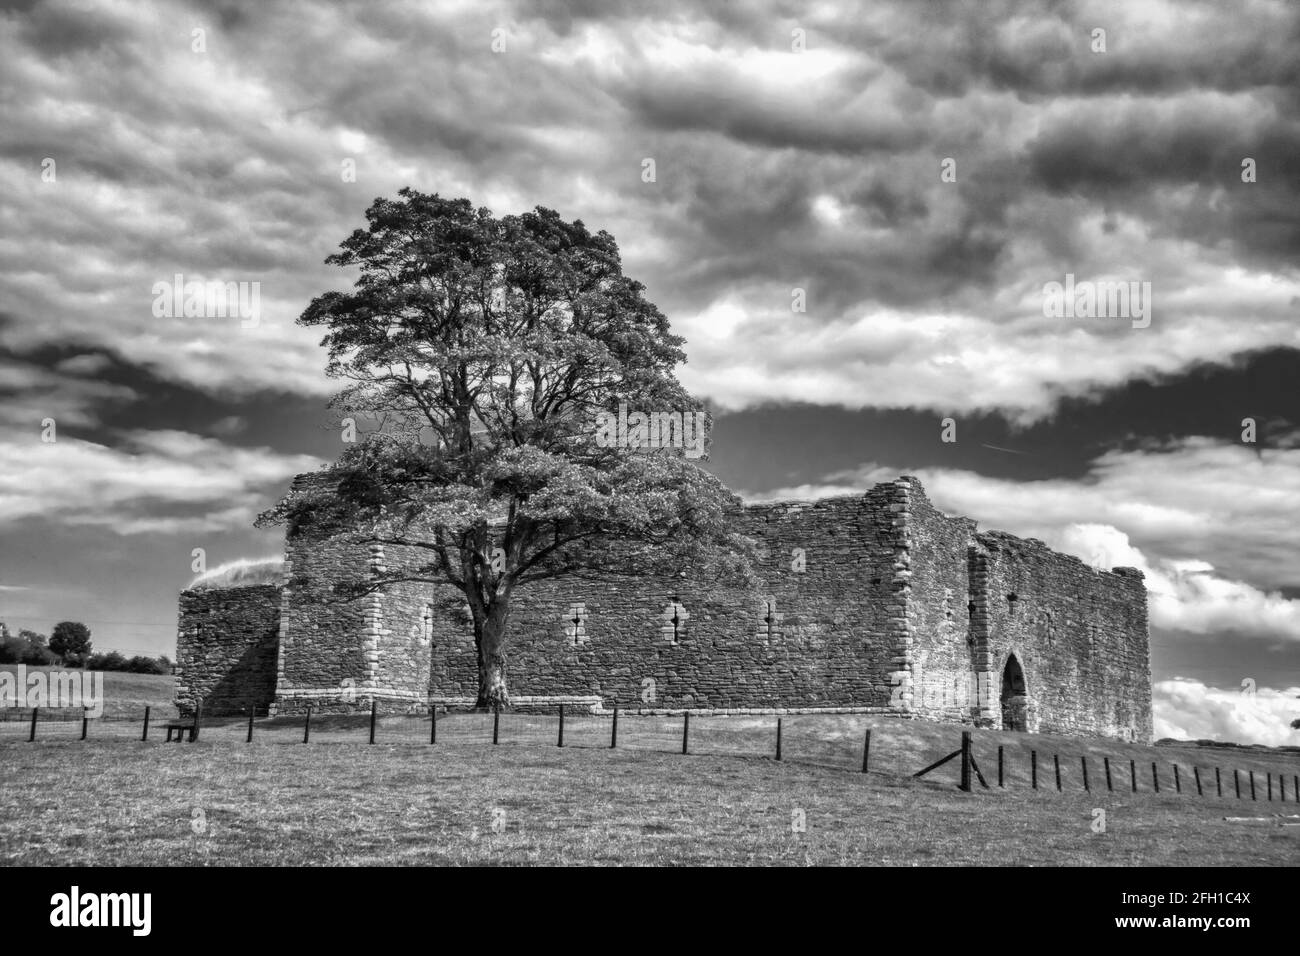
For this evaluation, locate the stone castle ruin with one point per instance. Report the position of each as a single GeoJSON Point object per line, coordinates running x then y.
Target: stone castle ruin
{"type": "Point", "coordinates": [875, 604]}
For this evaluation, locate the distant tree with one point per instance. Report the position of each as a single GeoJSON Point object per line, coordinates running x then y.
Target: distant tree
{"type": "Point", "coordinates": [39, 656]}
{"type": "Point", "coordinates": [1295, 724]}
{"type": "Point", "coordinates": [144, 665]}
{"type": "Point", "coordinates": [27, 648]}
{"type": "Point", "coordinates": [165, 663]}
{"type": "Point", "coordinates": [35, 652]}
{"type": "Point", "coordinates": [112, 661]}
{"type": "Point", "coordinates": [12, 649]}
{"type": "Point", "coordinates": [70, 640]}
{"type": "Point", "coordinates": [488, 350]}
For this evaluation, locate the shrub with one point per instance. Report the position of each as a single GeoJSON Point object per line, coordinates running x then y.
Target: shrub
{"type": "Point", "coordinates": [12, 650]}
{"type": "Point", "coordinates": [112, 661]}
{"type": "Point", "coordinates": [70, 638]}
{"type": "Point", "coordinates": [37, 655]}
{"type": "Point", "coordinates": [144, 665]}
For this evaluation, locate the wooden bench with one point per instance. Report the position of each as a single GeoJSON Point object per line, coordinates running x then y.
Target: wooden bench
{"type": "Point", "coordinates": [179, 727]}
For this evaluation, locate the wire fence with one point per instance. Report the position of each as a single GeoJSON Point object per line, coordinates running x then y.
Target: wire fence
{"type": "Point", "coordinates": [845, 744]}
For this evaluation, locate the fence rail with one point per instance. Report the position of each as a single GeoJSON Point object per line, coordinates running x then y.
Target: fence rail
{"type": "Point", "coordinates": [786, 739]}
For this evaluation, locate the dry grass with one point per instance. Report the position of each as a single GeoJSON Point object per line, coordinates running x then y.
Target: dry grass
{"type": "Point", "coordinates": [125, 695]}
{"type": "Point", "coordinates": [114, 800]}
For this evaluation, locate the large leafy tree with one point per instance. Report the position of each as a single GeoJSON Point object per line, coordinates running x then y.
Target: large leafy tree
{"type": "Point", "coordinates": [70, 640]}
{"type": "Point", "coordinates": [481, 352]}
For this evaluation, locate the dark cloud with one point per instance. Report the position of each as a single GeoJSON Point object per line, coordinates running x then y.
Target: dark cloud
{"type": "Point", "coordinates": [58, 31]}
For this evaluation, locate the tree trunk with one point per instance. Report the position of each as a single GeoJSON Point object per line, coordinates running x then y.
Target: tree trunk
{"type": "Point", "coordinates": [492, 665]}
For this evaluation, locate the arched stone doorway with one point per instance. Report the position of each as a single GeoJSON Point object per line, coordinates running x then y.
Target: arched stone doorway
{"type": "Point", "coordinates": [1015, 701]}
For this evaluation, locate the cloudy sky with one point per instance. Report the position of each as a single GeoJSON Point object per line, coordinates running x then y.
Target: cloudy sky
{"type": "Point", "coordinates": [914, 173]}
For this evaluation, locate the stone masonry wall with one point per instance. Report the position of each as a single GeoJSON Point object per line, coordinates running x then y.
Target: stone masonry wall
{"type": "Point", "coordinates": [878, 603]}
{"type": "Point", "coordinates": [939, 610]}
{"type": "Point", "coordinates": [328, 645]}
{"type": "Point", "coordinates": [226, 649]}
{"type": "Point", "coordinates": [1079, 634]}
{"type": "Point", "coordinates": [826, 630]}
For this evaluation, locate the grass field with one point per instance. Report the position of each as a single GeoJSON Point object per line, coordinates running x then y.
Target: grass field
{"type": "Point", "coordinates": [125, 694]}
{"type": "Point", "coordinates": [116, 800]}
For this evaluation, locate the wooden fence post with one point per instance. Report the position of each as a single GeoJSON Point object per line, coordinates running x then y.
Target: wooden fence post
{"type": "Point", "coordinates": [496, 721]}
{"type": "Point", "coordinates": [374, 713]}
{"type": "Point", "coordinates": [999, 765]}
{"type": "Point", "coordinates": [778, 738]}
{"type": "Point", "coordinates": [559, 742]}
{"type": "Point", "coordinates": [198, 717]}
{"type": "Point", "coordinates": [686, 729]}
{"type": "Point", "coordinates": [939, 763]}
{"type": "Point", "coordinates": [1178, 782]}
{"type": "Point", "coordinates": [1252, 784]}
{"type": "Point", "coordinates": [1236, 782]}
{"type": "Point", "coordinates": [866, 750]}
{"type": "Point", "coordinates": [613, 730]}
{"type": "Point", "coordinates": [306, 726]}
{"type": "Point", "coordinates": [965, 762]}
{"type": "Point", "coordinates": [1155, 777]}
{"type": "Point", "coordinates": [1133, 774]}
{"type": "Point", "coordinates": [1218, 781]}
{"type": "Point", "coordinates": [1033, 768]}
{"type": "Point", "coordinates": [32, 735]}
{"type": "Point", "coordinates": [1196, 772]}
{"type": "Point", "coordinates": [85, 721]}
{"type": "Point", "coordinates": [1084, 760]}
{"type": "Point", "coordinates": [433, 724]}
{"type": "Point", "coordinates": [1270, 786]}
{"type": "Point", "coordinates": [145, 735]}
{"type": "Point", "coordinates": [251, 713]}
{"type": "Point", "coordinates": [1109, 786]}
{"type": "Point", "coordinates": [1056, 759]}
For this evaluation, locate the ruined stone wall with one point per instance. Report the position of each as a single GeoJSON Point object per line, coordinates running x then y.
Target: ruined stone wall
{"type": "Point", "coordinates": [876, 602]}
{"type": "Point", "coordinates": [328, 645]}
{"type": "Point", "coordinates": [821, 632]}
{"type": "Point", "coordinates": [405, 629]}
{"type": "Point", "coordinates": [1079, 634]}
{"type": "Point", "coordinates": [226, 647]}
{"type": "Point", "coordinates": [938, 610]}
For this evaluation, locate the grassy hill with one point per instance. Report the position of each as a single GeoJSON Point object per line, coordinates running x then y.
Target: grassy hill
{"type": "Point", "coordinates": [126, 802]}
{"type": "Point", "coordinates": [126, 694]}
{"type": "Point", "coordinates": [116, 800]}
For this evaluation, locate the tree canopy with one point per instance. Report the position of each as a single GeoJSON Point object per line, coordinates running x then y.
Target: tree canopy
{"type": "Point", "coordinates": [70, 640]}
{"type": "Point", "coordinates": [487, 356]}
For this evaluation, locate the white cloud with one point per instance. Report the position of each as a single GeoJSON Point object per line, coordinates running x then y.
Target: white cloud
{"type": "Point", "coordinates": [160, 481]}
{"type": "Point", "coordinates": [1186, 595]}
{"type": "Point", "coordinates": [1191, 710]}
{"type": "Point", "coordinates": [1212, 525]}
{"type": "Point", "coordinates": [777, 169]}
